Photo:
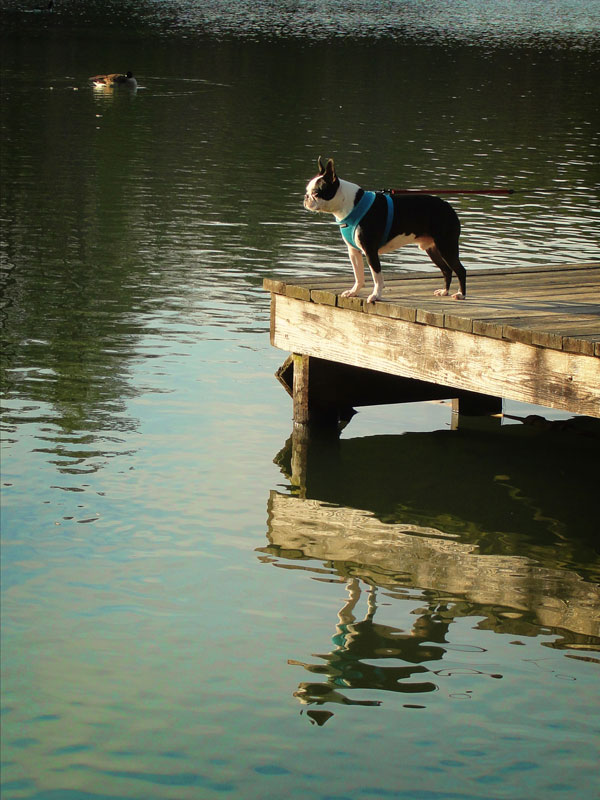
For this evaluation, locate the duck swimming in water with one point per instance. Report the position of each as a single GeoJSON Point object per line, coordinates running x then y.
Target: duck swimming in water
{"type": "Point", "coordinates": [115, 79]}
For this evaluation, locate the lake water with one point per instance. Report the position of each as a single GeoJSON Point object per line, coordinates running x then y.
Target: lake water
{"type": "Point", "coordinates": [419, 618]}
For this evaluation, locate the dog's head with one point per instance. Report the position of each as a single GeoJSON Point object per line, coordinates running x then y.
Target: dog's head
{"type": "Point", "coordinates": [322, 189]}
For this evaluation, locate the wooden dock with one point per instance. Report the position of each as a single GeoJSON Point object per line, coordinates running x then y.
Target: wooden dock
{"type": "Point", "coordinates": [528, 334]}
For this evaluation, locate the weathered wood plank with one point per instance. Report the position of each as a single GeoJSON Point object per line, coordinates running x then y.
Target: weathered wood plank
{"type": "Point", "coordinates": [492, 328]}
{"type": "Point", "coordinates": [385, 309]}
{"type": "Point", "coordinates": [562, 277]}
{"type": "Point", "coordinates": [572, 297]}
{"type": "Point", "coordinates": [298, 292]}
{"type": "Point", "coordinates": [325, 296]}
{"type": "Point", "coordinates": [499, 367]}
{"type": "Point", "coordinates": [561, 323]}
{"type": "Point", "coordinates": [537, 316]}
{"type": "Point", "coordinates": [549, 331]}
{"type": "Point", "coordinates": [498, 309]}
{"type": "Point", "coordinates": [497, 273]}
{"type": "Point", "coordinates": [498, 278]}
{"type": "Point", "coordinates": [574, 294]}
{"type": "Point", "coordinates": [490, 289]}
{"type": "Point", "coordinates": [353, 303]}
{"type": "Point", "coordinates": [582, 344]}
{"type": "Point", "coordinates": [274, 285]}
{"type": "Point", "coordinates": [429, 316]}
{"type": "Point", "coordinates": [342, 281]}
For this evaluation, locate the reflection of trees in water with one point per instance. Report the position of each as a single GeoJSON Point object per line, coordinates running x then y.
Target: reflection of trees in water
{"type": "Point", "coordinates": [67, 369]}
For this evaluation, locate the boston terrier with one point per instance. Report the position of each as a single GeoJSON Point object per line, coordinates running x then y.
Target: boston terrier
{"type": "Point", "coordinates": [373, 223]}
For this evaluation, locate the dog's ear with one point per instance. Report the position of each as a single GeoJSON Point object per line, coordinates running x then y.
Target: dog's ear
{"type": "Point", "coordinates": [329, 171]}
{"type": "Point", "coordinates": [320, 166]}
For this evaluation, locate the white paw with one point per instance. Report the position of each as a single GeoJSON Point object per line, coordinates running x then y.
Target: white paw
{"type": "Point", "coordinates": [441, 292]}
{"type": "Point", "coordinates": [373, 297]}
{"type": "Point", "coordinates": [458, 296]}
{"type": "Point", "coordinates": [350, 292]}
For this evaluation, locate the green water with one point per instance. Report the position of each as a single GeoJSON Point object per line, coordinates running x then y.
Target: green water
{"type": "Point", "coordinates": [186, 614]}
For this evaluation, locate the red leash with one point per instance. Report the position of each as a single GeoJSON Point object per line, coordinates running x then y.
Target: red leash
{"type": "Point", "coordinates": [448, 191]}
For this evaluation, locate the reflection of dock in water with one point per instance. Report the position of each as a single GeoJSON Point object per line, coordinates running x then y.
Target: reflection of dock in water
{"type": "Point", "coordinates": [458, 518]}
{"type": "Point", "coordinates": [356, 543]}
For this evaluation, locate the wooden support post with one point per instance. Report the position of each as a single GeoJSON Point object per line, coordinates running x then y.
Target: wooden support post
{"type": "Point", "coordinates": [473, 404]}
{"type": "Point", "coordinates": [300, 389]}
{"type": "Point", "coordinates": [315, 403]}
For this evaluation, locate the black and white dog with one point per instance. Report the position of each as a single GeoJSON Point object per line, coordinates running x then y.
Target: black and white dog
{"type": "Point", "coordinates": [373, 223]}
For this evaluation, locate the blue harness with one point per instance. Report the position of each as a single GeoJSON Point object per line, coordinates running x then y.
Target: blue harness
{"type": "Point", "coordinates": [349, 224]}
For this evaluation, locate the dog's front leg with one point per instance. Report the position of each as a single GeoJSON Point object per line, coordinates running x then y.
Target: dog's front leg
{"type": "Point", "coordinates": [375, 267]}
{"type": "Point", "coordinates": [358, 266]}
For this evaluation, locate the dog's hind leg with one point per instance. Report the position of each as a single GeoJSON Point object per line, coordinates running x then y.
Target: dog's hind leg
{"type": "Point", "coordinates": [461, 274]}
{"type": "Point", "coordinates": [447, 260]}
{"type": "Point", "coordinates": [435, 255]}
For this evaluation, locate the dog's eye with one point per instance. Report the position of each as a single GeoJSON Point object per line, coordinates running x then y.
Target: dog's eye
{"type": "Point", "coordinates": [326, 191]}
